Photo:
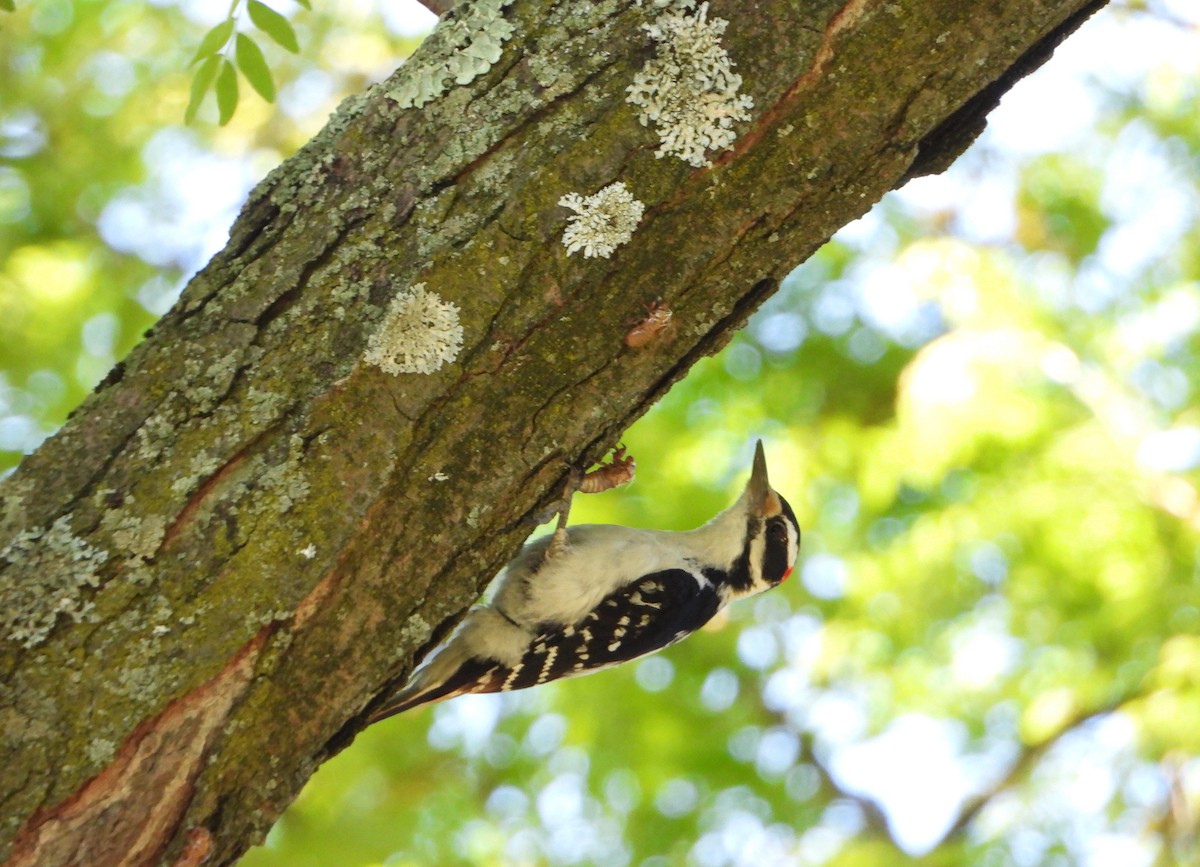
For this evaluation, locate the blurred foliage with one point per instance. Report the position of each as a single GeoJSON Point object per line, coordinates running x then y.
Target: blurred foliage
{"type": "Point", "coordinates": [106, 200]}
{"type": "Point", "coordinates": [980, 400]}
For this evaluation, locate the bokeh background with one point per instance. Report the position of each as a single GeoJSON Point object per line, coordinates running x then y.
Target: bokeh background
{"type": "Point", "coordinates": [981, 400]}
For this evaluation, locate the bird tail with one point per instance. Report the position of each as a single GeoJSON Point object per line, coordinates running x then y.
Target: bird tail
{"type": "Point", "coordinates": [405, 699]}
{"type": "Point", "coordinates": [426, 687]}
{"type": "Point", "coordinates": [469, 661]}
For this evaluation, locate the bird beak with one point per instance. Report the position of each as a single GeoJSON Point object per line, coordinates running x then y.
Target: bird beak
{"type": "Point", "coordinates": [763, 501]}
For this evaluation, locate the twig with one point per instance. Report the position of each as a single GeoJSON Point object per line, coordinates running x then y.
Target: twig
{"type": "Point", "coordinates": [1024, 763]}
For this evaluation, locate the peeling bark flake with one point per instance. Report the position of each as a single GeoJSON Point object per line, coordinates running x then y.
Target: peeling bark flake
{"type": "Point", "coordinates": [129, 812]}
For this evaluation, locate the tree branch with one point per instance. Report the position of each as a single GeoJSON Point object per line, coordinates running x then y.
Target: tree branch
{"type": "Point", "coordinates": [438, 7]}
{"type": "Point", "coordinates": [1021, 767]}
{"type": "Point", "coordinates": [250, 530]}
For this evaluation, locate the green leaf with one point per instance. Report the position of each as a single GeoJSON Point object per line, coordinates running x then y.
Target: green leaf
{"type": "Point", "coordinates": [253, 65]}
{"type": "Point", "coordinates": [305, 3]}
{"type": "Point", "coordinates": [9, 6]}
{"type": "Point", "coordinates": [213, 41]}
{"type": "Point", "coordinates": [274, 25]}
{"type": "Point", "coordinates": [201, 82]}
{"type": "Point", "coordinates": [227, 92]}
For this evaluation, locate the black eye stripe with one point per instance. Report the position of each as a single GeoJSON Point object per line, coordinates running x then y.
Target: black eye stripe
{"type": "Point", "coordinates": [775, 551]}
{"type": "Point", "coordinates": [789, 514]}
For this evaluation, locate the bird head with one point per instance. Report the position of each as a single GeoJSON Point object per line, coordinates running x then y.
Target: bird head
{"type": "Point", "coordinates": [772, 532]}
{"type": "Point", "coordinates": [752, 546]}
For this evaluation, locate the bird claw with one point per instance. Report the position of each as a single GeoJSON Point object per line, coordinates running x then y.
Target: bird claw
{"type": "Point", "coordinates": [619, 470]}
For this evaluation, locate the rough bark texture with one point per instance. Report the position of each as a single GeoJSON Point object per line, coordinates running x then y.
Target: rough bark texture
{"type": "Point", "coordinates": [247, 533]}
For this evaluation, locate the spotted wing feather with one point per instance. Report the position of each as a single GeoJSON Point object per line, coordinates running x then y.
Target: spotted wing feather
{"type": "Point", "coordinates": [639, 618]}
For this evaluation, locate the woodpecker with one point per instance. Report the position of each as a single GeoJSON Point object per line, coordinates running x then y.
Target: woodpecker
{"type": "Point", "coordinates": [608, 595]}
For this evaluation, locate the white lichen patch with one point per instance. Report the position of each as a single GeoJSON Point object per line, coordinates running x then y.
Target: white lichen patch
{"type": "Point", "coordinates": [416, 631]}
{"type": "Point", "coordinates": [100, 750]}
{"type": "Point", "coordinates": [463, 47]}
{"type": "Point", "coordinates": [286, 482]}
{"type": "Point", "coordinates": [209, 381]}
{"type": "Point", "coordinates": [689, 91]}
{"type": "Point", "coordinates": [13, 494]}
{"type": "Point", "coordinates": [419, 334]}
{"type": "Point", "coordinates": [145, 672]}
{"type": "Point", "coordinates": [255, 620]}
{"type": "Point", "coordinates": [201, 467]}
{"type": "Point", "coordinates": [477, 512]}
{"type": "Point", "coordinates": [602, 221]}
{"type": "Point", "coordinates": [154, 436]}
{"type": "Point", "coordinates": [49, 574]}
{"type": "Point", "coordinates": [308, 552]}
{"type": "Point", "coordinates": [137, 536]}
{"type": "Point", "coordinates": [347, 294]}
{"type": "Point", "coordinates": [265, 406]}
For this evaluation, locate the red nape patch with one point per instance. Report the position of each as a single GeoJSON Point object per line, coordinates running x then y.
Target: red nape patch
{"type": "Point", "coordinates": [786, 574]}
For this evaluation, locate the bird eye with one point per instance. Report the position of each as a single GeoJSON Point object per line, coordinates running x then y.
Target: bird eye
{"type": "Point", "coordinates": [775, 563]}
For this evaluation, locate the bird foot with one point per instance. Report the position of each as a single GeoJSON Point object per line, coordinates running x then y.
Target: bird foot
{"type": "Point", "coordinates": [559, 544]}
{"type": "Point", "coordinates": [620, 470]}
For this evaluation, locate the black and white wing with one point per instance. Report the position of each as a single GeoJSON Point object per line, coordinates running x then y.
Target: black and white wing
{"type": "Point", "coordinates": [639, 618]}
{"type": "Point", "coordinates": [643, 616]}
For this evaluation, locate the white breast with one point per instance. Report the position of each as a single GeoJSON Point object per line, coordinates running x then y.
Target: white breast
{"type": "Point", "coordinates": [600, 558]}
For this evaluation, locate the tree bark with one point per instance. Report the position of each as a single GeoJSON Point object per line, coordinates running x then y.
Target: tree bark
{"type": "Point", "coordinates": [438, 7]}
{"type": "Point", "coordinates": [247, 533]}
